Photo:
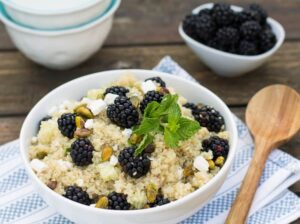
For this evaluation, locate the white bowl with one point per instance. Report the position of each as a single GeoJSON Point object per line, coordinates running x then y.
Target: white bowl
{"type": "Point", "coordinates": [61, 49]}
{"type": "Point", "coordinates": [53, 18]}
{"type": "Point", "coordinates": [227, 64]}
{"type": "Point", "coordinates": [171, 213]}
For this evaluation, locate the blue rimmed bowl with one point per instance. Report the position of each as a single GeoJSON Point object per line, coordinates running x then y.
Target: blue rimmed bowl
{"type": "Point", "coordinates": [52, 16]}
{"type": "Point", "coordinates": [61, 49]}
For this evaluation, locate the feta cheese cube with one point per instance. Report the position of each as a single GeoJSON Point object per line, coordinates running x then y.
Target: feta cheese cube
{"type": "Point", "coordinates": [113, 160]}
{"type": "Point", "coordinates": [201, 164]}
{"type": "Point", "coordinates": [37, 165]}
{"type": "Point", "coordinates": [64, 165]}
{"type": "Point", "coordinates": [127, 132]}
{"type": "Point", "coordinates": [97, 106]}
{"type": "Point", "coordinates": [108, 172]}
{"type": "Point", "coordinates": [148, 86]}
{"type": "Point", "coordinates": [110, 98]}
{"type": "Point", "coordinates": [89, 124]}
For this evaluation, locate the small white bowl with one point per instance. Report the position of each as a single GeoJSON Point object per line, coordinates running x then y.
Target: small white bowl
{"type": "Point", "coordinates": [173, 212]}
{"type": "Point", "coordinates": [227, 64]}
{"type": "Point", "coordinates": [61, 49]}
{"type": "Point", "coordinates": [54, 19]}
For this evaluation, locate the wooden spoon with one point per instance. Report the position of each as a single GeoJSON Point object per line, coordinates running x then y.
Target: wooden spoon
{"type": "Point", "coordinates": [273, 116]}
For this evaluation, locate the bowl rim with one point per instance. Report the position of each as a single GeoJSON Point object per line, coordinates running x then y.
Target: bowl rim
{"type": "Point", "coordinates": [196, 193]}
{"type": "Point", "coordinates": [50, 33]}
{"type": "Point", "coordinates": [274, 24]}
{"type": "Point", "coordinates": [81, 7]}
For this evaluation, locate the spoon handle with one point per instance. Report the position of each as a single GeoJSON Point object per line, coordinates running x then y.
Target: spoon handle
{"type": "Point", "coordinates": [243, 201]}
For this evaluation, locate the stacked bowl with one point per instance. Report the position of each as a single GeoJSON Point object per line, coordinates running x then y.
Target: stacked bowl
{"type": "Point", "coordinates": [58, 34]}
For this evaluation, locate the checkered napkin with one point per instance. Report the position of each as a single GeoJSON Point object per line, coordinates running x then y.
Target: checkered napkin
{"type": "Point", "coordinates": [19, 203]}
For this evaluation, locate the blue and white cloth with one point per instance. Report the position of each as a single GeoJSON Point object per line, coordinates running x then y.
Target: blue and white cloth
{"type": "Point", "coordinates": [274, 203]}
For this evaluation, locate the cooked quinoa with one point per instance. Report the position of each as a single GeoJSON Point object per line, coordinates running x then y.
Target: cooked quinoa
{"type": "Point", "coordinates": [173, 173]}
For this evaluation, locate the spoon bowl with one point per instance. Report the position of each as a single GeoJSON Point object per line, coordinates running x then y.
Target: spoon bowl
{"type": "Point", "coordinates": [273, 116]}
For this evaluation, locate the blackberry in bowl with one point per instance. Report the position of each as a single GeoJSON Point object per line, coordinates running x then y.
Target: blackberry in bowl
{"type": "Point", "coordinates": [231, 40]}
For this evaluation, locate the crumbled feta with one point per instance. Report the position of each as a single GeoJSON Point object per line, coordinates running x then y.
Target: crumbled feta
{"type": "Point", "coordinates": [89, 123]}
{"type": "Point", "coordinates": [113, 160]}
{"type": "Point", "coordinates": [107, 171]}
{"type": "Point", "coordinates": [34, 140]}
{"type": "Point", "coordinates": [148, 86]}
{"type": "Point", "coordinates": [37, 165]}
{"type": "Point", "coordinates": [86, 100]}
{"type": "Point", "coordinates": [92, 205]}
{"type": "Point", "coordinates": [110, 98]}
{"type": "Point", "coordinates": [80, 182]}
{"type": "Point", "coordinates": [52, 110]}
{"type": "Point", "coordinates": [64, 165]}
{"type": "Point", "coordinates": [201, 164]}
{"type": "Point", "coordinates": [127, 132]}
{"type": "Point", "coordinates": [96, 106]}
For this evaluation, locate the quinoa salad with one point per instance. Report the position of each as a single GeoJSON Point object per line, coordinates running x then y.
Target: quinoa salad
{"type": "Point", "coordinates": [133, 144]}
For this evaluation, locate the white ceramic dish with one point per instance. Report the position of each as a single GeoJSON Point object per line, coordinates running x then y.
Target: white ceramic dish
{"type": "Point", "coordinates": [168, 214]}
{"type": "Point", "coordinates": [227, 64]}
{"type": "Point", "coordinates": [61, 49]}
{"type": "Point", "coordinates": [51, 18]}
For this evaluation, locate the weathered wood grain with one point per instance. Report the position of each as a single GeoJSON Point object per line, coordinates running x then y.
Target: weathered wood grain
{"type": "Point", "coordinates": [22, 83]}
{"type": "Point", "coordinates": [155, 21]}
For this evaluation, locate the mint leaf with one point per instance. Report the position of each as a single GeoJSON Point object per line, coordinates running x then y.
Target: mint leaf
{"type": "Point", "coordinates": [147, 139]}
{"type": "Point", "coordinates": [147, 125]}
{"type": "Point", "coordinates": [151, 108]}
{"type": "Point", "coordinates": [187, 128]}
{"type": "Point", "coordinates": [174, 114]}
{"type": "Point", "coordinates": [171, 138]}
{"type": "Point", "coordinates": [165, 105]}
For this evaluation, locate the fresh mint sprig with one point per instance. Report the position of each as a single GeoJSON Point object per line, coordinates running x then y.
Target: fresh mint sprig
{"type": "Point", "coordinates": [166, 118]}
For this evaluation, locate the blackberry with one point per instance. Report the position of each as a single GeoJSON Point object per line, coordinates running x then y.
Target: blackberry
{"type": "Point", "coordinates": [66, 124]}
{"type": "Point", "coordinates": [193, 107]}
{"type": "Point", "coordinates": [217, 145]}
{"type": "Point", "coordinates": [204, 12]}
{"type": "Point", "coordinates": [159, 201]}
{"type": "Point", "coordinates": [118, 201]}
{"type": "Point", "coordinates": [158, 80]}
{"type": "Point", "coordinates": [77, 194]}
{"type": "Point", "coordinates": [200, 28]}
{"type": "Point", "coordinates": [118, 90]}
{"type": "Point", "coordinates": [245, 16]}
{"type": "Point", "coordinates": [228, 36]}
{"type": "Point", "coordinates": [222, 14]}
{"type": "Point", "coordinates": [123, 113]}
{"type": "Point", "coordinates": [267, 40]}
{"type": "Point", "coordinates": [248, 48]}
{"type": "Point", "coordinates": [82, 152]}
{"type": "Point", "coordinates": [149, 97]}
{"type": "Point", "coordinates": [46, 118]}
{"type": "Point", "coordinates": [250, 30]}
{"type": "Point", "coordinates": [262, 15]}
{"type": "Point", "coordinates": [135, 167]}
{"type": "Point", "coordinates": [210, 118]}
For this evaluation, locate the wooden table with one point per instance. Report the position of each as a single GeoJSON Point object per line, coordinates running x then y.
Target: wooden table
{"type": "Point", "coordinates": [144, 32]}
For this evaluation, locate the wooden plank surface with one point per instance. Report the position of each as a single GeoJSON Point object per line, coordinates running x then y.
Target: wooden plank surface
{"type": "Point", "coordinates": [156, 21]}
{"type": "Point", "coordinates": [24, 83]}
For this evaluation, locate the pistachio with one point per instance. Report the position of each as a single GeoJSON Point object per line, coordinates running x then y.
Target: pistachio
{"type": "Point", "coordinates": [151, 192]}
{"type": "Point", "coordinates": [106, 153]}
{"type": "Point", "coordinates": [82, 132]}
{"type": "Point", "coordinates": [84, 111]}
{"type": "Point", "coordinates": [41, 155]}
{"type": "Point", "coordinates": [219, 161]}
{"type": "Point", "coordinates": [135, 101]}
{"type": "Point", "coordinates": [79, 122]}
{"type": "Point", "coordinates": [211, 164]}
{"type": "Point", "coordinates": [188, 170]}
{"type": "Point", "coordinates": [52, 184]}
{"type": "Point", "coordinates": [163, 90]}
{"type": "Point", "coordinates": [102, 202]}
{"type": "Point", "coordinates": [67, 150]}
{"type": "Point", "coordinates": [135, 139]}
